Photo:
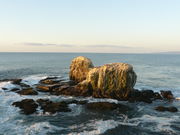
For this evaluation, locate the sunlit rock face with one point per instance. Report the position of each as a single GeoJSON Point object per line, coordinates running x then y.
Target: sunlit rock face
{"type": "Point", "coordinates": [79, 68]}
{"type": "Point", "coordinates": [114, 80]}
{"type": "Point", "coordinates": [111, 80]}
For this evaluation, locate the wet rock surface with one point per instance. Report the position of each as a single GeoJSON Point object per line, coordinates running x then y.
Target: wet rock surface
{"type": "Point", "coordinates": [53, 107]}
{"type": "Point", "coordinates": [28, 91]}
{"type": "Point", "coordinates": [146, 96]}
{"type": "Point", "coordinates": [51, 80]}
{"type": "Point", "coordinates": [47, 88]}
{"type": "Point", "coordinates": [106, 106]}
{"type": "Point", "coordinates": [15, 89]}
{"type": "Point", "coordinates": [162, 109]}
{"type": "Point", "coordinates": [70, 88]}
{"type": "Point", "coordinates": [71, 91]}
{"type": "Point", "coordinates": [27, 106]}
{"type": "Point", "coordinates": [167, 94]}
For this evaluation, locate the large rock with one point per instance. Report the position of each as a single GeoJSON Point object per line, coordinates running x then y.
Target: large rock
{"type": "Point", "coordinates": [114, 80]}
{"type": "Point", "coordinates": [53, 107]}
{"type": "Point", "coordinates": [27, 106]}
{"type": "Point", "coordinates": [79, 68]}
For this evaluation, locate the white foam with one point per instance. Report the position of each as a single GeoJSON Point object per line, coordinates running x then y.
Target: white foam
{"type": "Point", "coordinates": [161, 123]}
{"type": "Point", "coordinates": [7, 85]}
{"type": "Point", "coordinates": [34, 79]}
{"type": "Point", "coordinates": [99, 127]}
{"type": "Point", "coordinates": [102, 100]}
{"type": "Point", "coordinates": [41, 128]}
{"type": "Point", "coordinates": [75, 110]}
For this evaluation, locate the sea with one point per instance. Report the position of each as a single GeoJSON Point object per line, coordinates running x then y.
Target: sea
{"type": "Point", "coordinates": [154, 72]}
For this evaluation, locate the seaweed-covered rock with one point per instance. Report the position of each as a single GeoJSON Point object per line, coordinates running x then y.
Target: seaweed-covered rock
{"type": "Point", "coordinates": [28, 91]}
{"type": "Point", "coordinates": [79, 68]}
{"type": "Point", "coordinates": [27, 106]}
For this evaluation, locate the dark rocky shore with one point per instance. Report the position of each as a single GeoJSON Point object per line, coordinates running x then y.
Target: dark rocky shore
{"type": "Point", "coordinates": [115, 81]}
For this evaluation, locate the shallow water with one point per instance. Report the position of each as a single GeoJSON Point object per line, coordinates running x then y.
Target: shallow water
{"type": "Point", "coordinates": [154, 71]}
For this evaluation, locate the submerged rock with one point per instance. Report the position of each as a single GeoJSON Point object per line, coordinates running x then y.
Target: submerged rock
{"type": "Point", "coordinates": [106, 106]}
{"type": "Point", "coordinates": [23, 85]}
{"type": "Point", "coordinates": [81, 102]}
{"type": "Point", "coordinates": [16, 81]}
{"type": "Point", "coordinates": [4, 88]}
{"type": "Point", "coordinates": [27, 106]}
{"type": "Point", "coordinates": [162, 109]}
{"type": "Point", "coordinates": [79, 68]}
{"type": "Point", "coordinates": [28, 91]}
{"type": "Point", "coordinates": [167, 95]}
{"type": "Point", "coordinates": [15, 89]}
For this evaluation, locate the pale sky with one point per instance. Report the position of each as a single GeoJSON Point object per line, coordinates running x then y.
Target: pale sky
{"type": "Point", "coordinates": [114, 26]}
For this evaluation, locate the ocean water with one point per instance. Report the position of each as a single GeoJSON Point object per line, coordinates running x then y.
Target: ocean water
{"type": "Point", "coordinates": [154, 71]}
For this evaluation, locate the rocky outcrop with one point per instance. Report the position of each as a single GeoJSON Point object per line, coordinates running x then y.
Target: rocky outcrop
{"type": "Point", "coordinates": [167, 95]}
{"type": "Point", "coordinates": [27, 106]}
{"type": "Point", "coordinates": [79, 68]}
{"type": "Point", "coordinates": [53, 107]}
{"type": "Point", "coordinates": [114, 80]}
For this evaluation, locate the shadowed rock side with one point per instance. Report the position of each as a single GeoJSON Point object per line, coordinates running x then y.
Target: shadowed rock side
{"type": "Point", "coordinates": [79, 68]}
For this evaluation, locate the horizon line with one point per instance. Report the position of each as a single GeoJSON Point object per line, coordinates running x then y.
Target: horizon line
{"type": "Point", "coordinates": [170, 52]}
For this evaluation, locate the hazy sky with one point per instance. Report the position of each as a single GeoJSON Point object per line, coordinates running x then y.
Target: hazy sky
{"type": "Point", "coordinates": [89, 25]}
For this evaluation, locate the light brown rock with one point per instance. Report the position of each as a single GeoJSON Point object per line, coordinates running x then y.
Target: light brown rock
{"type": "Point", "coordinates": [79, 68]}
{"type": "Point", "coordinates": [115, 79]}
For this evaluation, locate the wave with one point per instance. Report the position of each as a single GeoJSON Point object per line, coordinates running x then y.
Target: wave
{"type": "Point", "coordinates": [156, 123]}
{"type": "Point", "coordinates": [99, 127]}
{"type": "Point", "coordinates": [33, 79]}
{"type": "Point", "coordinates": [12, 122]}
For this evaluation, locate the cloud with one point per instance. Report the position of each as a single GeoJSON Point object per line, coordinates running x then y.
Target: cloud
{"type": "Point", "coordinates": [47, 44]}
{"type": "Point", "coordinates": [84, 46]}
{"type": "Point", "coordinates": [108, 46]}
